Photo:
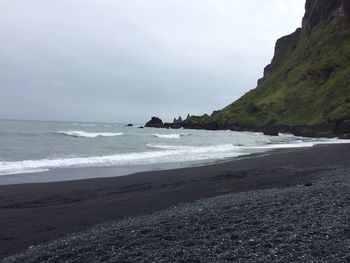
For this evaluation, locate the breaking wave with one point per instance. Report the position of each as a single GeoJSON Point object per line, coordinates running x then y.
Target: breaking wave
{"type": "Point", "coordinates": [165, 154]}
{"type": "Point", "coordinates": [82, 134]}
{"type": "Point", "coordinates": [171, 136]}
{"type": "Point", "coordinates": [157, 154]}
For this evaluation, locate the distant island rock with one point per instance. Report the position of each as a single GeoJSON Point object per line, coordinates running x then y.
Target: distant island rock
{"type": "Point", "coordinates": [155, 122]}
{"type": "Point", "coordinates": [129, 125]}
{"type": "Point", "coordinates": [178, 120]}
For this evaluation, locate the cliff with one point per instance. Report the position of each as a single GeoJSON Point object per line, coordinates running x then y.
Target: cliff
{"type": "Point", "coordinates": [306, 87]}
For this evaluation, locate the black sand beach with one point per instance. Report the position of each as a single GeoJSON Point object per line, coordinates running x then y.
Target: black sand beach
{"type": "Point", "coordinates": [32, 214]}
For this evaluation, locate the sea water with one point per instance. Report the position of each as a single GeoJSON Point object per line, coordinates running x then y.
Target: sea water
{"type": "Point", "coordinates": [34, 147]}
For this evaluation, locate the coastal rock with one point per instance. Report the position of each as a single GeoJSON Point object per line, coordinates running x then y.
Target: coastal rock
{"type": "Point", "coordinates": [176, 125]}
{"type": "Point", "coordinates": [129, 125]}
{"type": "Point", "coordinates": [235, 128]}
{"type": "Point", "coordinates": [284, 128]}
{"type": "Point", "coordinates": [140, 127]}
{"type": "Point", "coordinates": [213, 125]}
{"type": "Point", "coordinates": [167, 125]}
{"type": "Point", "coordinates": [344, 136]}
{"type": "Point", "coordinates": [178, 120]}
{"type": "Point", "coordinates": [317, 131]}
{"type": "Point", "coordinates": [271, 131]}
{"type": "Point", "coordinates": [343, 127]}
{"type": "Point", "coordinates": [155, 122]}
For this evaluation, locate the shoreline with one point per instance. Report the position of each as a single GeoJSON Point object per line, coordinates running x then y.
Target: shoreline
{"type": "Point", "coordinates": [32, 214]}
{"type": "Point", "coordinates": [69, 174]}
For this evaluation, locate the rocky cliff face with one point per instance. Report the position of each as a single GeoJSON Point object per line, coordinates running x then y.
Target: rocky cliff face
{"type": "Point", "coordinates": [318, 11]}
{"type": "Point", "coordinates": [306, 88]}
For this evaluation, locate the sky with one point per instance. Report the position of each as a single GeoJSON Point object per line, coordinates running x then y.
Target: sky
{"type": "Point", "coordinates": [128, 60]}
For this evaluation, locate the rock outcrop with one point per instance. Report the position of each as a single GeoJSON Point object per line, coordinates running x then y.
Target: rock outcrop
{"type": "Point", "coordinates": [343, 127]}
{"type": "Point", "coordinates": [155, 122]}
{"type": "Point", "coordinates": [271, 130]}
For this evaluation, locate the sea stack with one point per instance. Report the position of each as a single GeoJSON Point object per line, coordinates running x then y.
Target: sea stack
{"type": "Point", "coordinates": [155, 122]}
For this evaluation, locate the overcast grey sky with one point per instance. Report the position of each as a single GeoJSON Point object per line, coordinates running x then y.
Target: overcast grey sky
{"type": "Point", "coordinates": [128, 60]}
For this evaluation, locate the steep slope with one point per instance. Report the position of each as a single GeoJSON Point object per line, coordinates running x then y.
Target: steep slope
{"type": "Point", "coordinates": [306, 88]}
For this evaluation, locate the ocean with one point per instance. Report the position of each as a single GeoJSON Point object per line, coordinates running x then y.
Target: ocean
{"type": "Point", "coordinates": [42, 151]}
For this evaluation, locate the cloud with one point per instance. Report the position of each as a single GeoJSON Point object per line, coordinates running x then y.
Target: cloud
{"type": "Point", "coordinates": [124, 61]}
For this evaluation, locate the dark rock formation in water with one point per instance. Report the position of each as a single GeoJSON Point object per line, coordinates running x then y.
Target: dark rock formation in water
{"type": "Point", "coordinates": [155, 122]}
{"type": "Point", "coordinates": [179, 120]}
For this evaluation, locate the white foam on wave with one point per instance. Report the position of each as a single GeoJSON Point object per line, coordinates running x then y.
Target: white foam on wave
{"type": "Point", "coordinates": [82, 134]}
{"type": "Point", "coordinates": [168, 154]}
{"type": "Point", "coordinates": [161, 154]}
{"type": "Point", "coordinates": [171, 136]}
{"type": "Point", "coordinates": [298, 144]}
{"type": "Point", "coordinates": [196, 149]}
{"type": "Point", "coordinates": [24, 171]}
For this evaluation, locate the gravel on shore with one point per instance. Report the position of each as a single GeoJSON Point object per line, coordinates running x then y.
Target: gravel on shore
{"type": "Point", "coordinates": [305, 223]}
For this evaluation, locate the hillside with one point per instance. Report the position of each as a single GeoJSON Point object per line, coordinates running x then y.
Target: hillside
{"type": "Point", "coordinates": [306, 88]}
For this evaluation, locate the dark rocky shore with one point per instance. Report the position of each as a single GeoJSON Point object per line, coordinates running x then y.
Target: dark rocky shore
{"type": "Point", "coordinates": [339, 128]}
{"type": "Point", "coordinates": [304, 223]}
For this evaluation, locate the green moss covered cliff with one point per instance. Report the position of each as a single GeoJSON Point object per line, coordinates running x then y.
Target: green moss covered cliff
{"type": "Point", "coordinates": [307, 83]}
